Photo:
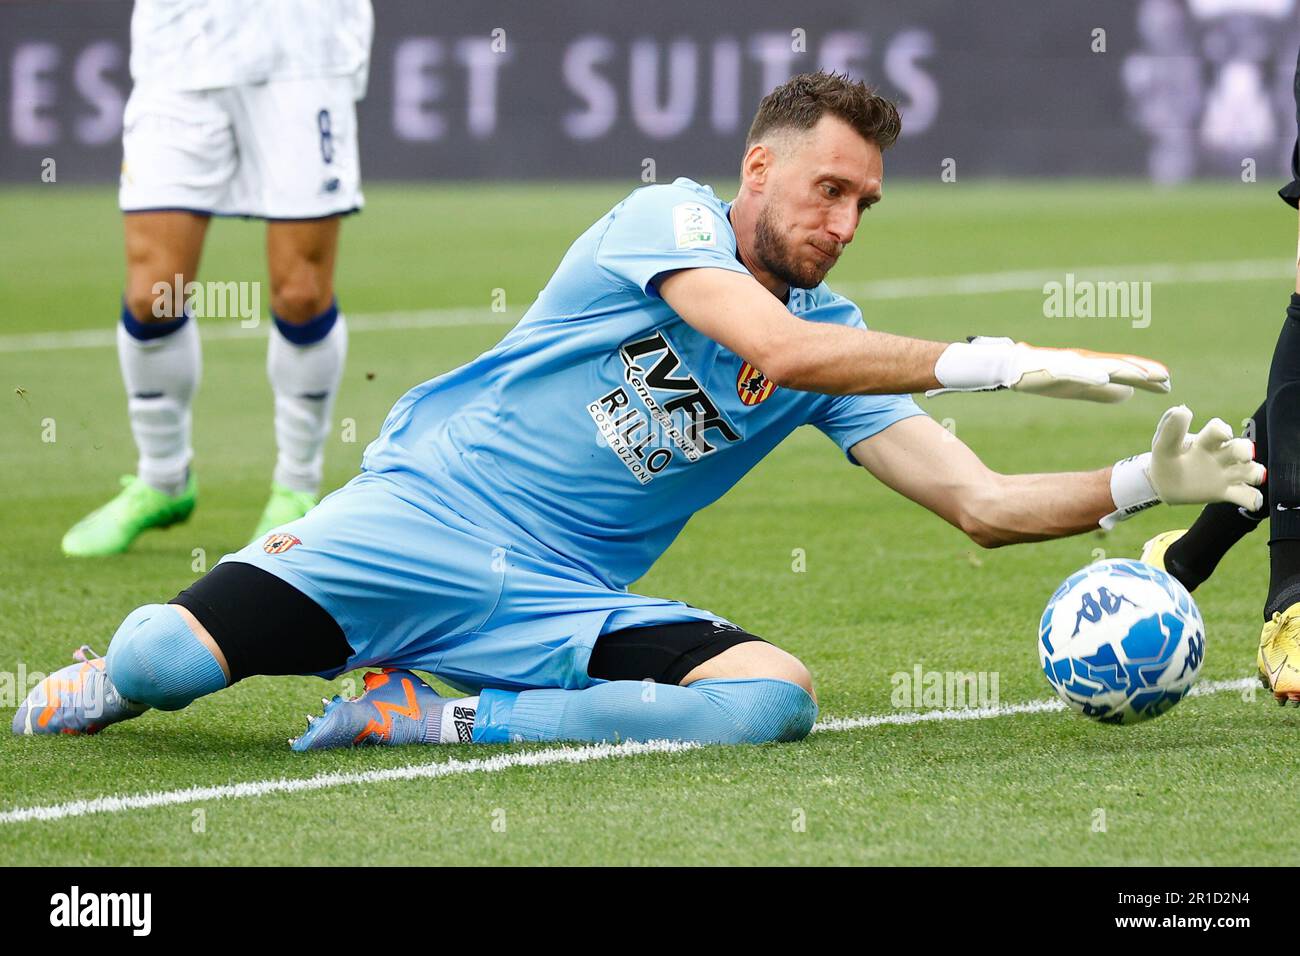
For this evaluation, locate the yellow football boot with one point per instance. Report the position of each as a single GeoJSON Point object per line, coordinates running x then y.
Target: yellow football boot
{"type": "Point", "coordinates": [1279, 655]}
{"type": "Point", "coordinates": [1153, 552]}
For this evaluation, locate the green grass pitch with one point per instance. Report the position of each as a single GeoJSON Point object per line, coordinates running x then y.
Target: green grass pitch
{"type": "Point", "coordinates": [884, 586]}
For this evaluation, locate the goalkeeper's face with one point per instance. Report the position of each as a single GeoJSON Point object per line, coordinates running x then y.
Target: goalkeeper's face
{"type": "Point", "coordinates": [814, 192]}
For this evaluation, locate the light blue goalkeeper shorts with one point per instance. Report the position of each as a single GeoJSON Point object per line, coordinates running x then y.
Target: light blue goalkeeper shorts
{"type": "Point", "coordinates": [417, 586]}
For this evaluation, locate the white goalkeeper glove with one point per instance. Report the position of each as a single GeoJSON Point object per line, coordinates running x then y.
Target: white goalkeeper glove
{"type": "Point", "coordinates": [986, 364]}
{"type": "Point", "coordinates": [1183, 469]}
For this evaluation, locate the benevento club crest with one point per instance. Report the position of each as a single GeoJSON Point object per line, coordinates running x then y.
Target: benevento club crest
{"type": "Point", "coordinates": [752, 385]}
{"type": "Point", "coordinates": [279, 543]}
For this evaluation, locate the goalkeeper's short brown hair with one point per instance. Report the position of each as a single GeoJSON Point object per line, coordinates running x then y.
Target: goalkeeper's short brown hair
{"type": "Point", "coordinates": [800, 102]}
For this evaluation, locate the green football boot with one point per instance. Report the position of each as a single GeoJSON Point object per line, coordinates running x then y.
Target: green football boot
{"type": "Point", "coordinates": [284, 505]}
{"type": "Point", "coordinates": [136, 508]}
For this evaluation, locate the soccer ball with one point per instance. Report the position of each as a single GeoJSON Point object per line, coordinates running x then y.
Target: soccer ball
{"type": "Point", "coordinates": [1121, 641]}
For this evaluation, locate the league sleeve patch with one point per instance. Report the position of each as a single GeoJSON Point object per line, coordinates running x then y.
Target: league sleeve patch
{"type": "Point", "coordinates": [694, 226]}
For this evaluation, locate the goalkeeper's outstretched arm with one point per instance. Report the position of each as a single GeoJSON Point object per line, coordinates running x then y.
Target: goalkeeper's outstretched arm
{"type": "Point", "coordinates": [925, 462]}
{"type": "Point", "coordinates": [736, 311]}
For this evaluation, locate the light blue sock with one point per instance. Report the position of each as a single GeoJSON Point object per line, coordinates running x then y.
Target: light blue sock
{"type": "Point", "coordinates": [708, 711]}
{"type": "Point", "coordinates": [156, 659]}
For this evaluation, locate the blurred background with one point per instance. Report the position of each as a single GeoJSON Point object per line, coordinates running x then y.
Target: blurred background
{"type": "Point", "coordinates": [1168, 89]}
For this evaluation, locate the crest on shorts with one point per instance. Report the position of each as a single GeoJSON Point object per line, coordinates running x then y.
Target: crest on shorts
{"type": "Point", "coordinates": [279, 543]}
{"type": "Point", "coordinates": [752, 385]}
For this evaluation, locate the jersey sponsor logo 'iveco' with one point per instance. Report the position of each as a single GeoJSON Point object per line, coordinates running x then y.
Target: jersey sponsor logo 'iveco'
{"type": "Point", "coordinates": [752, 385]}
{"type": "Point", "coordinates": [672, 407]}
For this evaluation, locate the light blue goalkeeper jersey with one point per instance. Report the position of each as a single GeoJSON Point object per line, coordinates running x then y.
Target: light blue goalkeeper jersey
{"type": "Point", "coordinates": [593, 431]}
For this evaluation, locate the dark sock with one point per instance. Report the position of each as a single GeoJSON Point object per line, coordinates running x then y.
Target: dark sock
{"type": "Point", "coordinates": [1284, 465]}
{"type": "Point", "coordinates": [1284, 576]}
{"type": "Point", "coordinates": [1193, 557]}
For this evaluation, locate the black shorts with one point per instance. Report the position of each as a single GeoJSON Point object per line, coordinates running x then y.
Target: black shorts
{"type": "Point", "coordinates": [1290, 193]}
{"type": "Point", "coordinates": [264, 625]}
{"type": "Point", "coordinates": [663, 653]}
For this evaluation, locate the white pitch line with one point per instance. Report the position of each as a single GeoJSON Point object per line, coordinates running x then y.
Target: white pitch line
{"type": "Point", "coordinates": [1004, 710]}
{"type": "Point", "coordinates": [507, 761]}
{"type": "Point", "coordinates": [232, 331]}
{"type": "Point", "coordinates": [259, 788]}
{"type": "Point", "coordinates": [916, 287]}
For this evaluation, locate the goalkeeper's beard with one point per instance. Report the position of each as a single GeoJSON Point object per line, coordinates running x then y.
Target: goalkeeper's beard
{"type": "Point", "coordinates": [772, 250]}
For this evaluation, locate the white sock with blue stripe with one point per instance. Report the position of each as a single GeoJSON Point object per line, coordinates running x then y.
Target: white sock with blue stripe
{"type": "Point", "coordinates": [305, 365]}
{"type": "Point", "coordinates": [161, 367]}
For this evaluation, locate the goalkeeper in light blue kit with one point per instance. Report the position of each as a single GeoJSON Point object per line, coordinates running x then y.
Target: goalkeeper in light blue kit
{"type": "Point", "coordinates": [506, 506]}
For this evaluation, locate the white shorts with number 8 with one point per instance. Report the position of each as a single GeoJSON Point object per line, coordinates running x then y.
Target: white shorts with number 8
{"type": "Point", "coordinates": [280, 149]}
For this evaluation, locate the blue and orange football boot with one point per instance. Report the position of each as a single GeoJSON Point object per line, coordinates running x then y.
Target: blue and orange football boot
{"type": "Point", "coordinates": [77, 699]}
{"type": "Point", "coordinates": [396, 708]}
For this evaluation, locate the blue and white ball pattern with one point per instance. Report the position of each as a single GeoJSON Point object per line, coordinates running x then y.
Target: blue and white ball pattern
{"type": "Point", "coordinates": [1121, 641]}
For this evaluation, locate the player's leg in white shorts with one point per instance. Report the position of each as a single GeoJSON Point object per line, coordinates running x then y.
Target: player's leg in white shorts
{"type": "Point", "coordinates": [300, 170]}
{"type": "Point", "coordinates": [178, 160]}
{"type": "Point", "coordinates": [299, 157]}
